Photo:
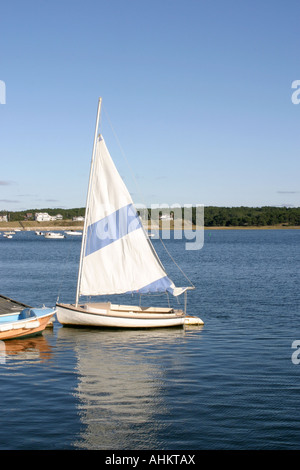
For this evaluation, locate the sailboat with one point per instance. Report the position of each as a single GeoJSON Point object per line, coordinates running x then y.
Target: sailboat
{"type": "Point", "coordinates": [117, 256]}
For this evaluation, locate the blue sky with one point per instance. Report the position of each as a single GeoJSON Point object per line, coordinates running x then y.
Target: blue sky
{"type": "Point", "coordinates": [197, 92]}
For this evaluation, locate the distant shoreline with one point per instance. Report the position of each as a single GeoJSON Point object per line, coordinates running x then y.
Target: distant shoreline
{"type": "Point", "coordinates": [70, 225]}
{"type": "Point", "coordinates": [254, 227]}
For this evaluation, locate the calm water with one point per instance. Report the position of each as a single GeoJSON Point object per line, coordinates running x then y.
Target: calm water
{"type": "Point", "coordinates": [228, 385]}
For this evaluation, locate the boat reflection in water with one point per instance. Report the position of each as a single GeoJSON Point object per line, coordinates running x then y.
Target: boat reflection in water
{"type": "Point", "coordinates": [33, 348]}
{"type": "Point", "coordinates": [121, 381]}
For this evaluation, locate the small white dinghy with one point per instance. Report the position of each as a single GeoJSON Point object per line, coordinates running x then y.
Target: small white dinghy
{"type": "Point", "coordinates": [117, 256]}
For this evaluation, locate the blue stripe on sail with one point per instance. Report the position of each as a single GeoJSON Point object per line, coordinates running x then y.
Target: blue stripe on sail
{"type": "Point", "coordinates": [111, 228]}
{"type": "Point", "coordinates": [161, 285]}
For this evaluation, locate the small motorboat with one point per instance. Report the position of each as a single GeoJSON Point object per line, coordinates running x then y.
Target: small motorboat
{"type": "Point", "coordinates": [19, 320]}
{"type": "Point", "coordinates": [54, 235]}
{"type": "Point", "coordinates": [73, 232]}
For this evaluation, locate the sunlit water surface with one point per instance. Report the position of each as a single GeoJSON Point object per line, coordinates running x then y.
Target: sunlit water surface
{"type": "Point", "coordinates": [231, 384]}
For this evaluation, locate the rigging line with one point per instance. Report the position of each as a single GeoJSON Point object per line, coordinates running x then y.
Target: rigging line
{"type": "Point", "coordinates": [140, 192]}
{"type": "Point", "coordinates": [124, 156]}
{"type": "Point", "coordinates": [137, 187]}
{"type": "Point", "coordinates": [66, 260]}
{"type": "Point", "coordinates": [183, 273]}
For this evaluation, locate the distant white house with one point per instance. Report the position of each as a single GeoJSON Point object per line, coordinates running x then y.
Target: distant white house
{"type": "Point", "coordinates": [3, 218]}
{"type": "Point", "coordinates": [42, 217]}
{"type": "Point", "coordinates": [78, 219]}
{"type": "Point", "coordinates": [166, 217]}
{"type": "Point", "coordinates": [45, 217]}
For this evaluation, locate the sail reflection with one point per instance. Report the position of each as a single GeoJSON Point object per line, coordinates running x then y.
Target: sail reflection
{"type": "Point", "coordinates": [121, 381]}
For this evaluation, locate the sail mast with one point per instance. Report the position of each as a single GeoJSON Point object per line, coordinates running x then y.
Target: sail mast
{"type": "Point", "coordinates": [87, 202]}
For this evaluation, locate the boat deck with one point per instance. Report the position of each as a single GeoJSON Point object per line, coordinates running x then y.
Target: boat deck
{"type": "Point", "coordinates": [8, 305]}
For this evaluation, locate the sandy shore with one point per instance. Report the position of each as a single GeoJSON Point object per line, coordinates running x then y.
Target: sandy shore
{"type": "Point", "coordinates": [70, 225]}
{"type": "Point", "coordinates": [41, 226]}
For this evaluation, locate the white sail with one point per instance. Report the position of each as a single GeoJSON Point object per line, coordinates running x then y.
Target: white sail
{"type": "Point", "coordinates": [117, 256]}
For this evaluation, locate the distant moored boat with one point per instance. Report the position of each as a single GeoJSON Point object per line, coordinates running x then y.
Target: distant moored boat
{"type": "Point", "coordinates": [54, 235]}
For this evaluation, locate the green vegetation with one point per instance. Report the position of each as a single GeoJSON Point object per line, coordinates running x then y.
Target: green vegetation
{"type": "Point", "coordinates": [213, 216]}
{"type": "Point", "coordinates": [67, 214]}
{"type": "Point", "coordinates": [250, 216]}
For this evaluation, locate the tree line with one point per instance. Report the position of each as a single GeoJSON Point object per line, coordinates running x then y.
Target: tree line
{"type": "Point", "coordinates": [250, 216]}
{"type": "Point", "coordinates": [213, 216]}
{"type": "Point", "coordinates": [29, 214]}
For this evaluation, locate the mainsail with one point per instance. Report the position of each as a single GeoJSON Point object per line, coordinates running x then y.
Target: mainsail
{"type": "Point", "coordinates": [117, 255]}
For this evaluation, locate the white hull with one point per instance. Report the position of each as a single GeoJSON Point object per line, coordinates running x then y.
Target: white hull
{"type": "Point", "coordinates": [71, 232]}
{"type": "Point", "coordinates": [54, 235]}
{"type": "Point", "coordinates": [120, 316]}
